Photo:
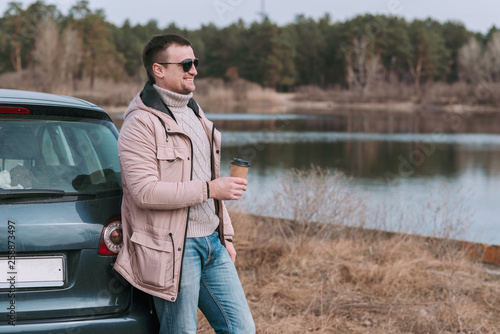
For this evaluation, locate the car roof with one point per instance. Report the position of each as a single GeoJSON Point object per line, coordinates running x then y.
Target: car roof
{"type": "Point", "coordinates": [50, 104]}
{"type": "Point", "coordinates": [22, 97]}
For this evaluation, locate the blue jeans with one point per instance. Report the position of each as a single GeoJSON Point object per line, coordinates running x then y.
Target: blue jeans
{"type": "Point", "coordinates": [209, 281]}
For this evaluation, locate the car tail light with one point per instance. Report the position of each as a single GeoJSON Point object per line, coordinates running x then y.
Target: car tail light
{"type": "Point", "coordinates": [13, 110]}
{"type": "Point", "coordinates": [111, 238]}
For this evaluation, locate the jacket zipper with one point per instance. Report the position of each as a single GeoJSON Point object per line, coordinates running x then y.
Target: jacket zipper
{"type": "Point", "coordinates": [189, 209]}
{"type": "Point", "coordinates": [216, 202]}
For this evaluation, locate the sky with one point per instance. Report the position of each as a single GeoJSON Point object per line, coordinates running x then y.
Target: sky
{"type": "Point", "coordinates": [476, 15]}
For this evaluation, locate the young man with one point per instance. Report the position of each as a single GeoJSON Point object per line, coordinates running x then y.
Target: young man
{"type": "Point", "coordinates": [175, 223]}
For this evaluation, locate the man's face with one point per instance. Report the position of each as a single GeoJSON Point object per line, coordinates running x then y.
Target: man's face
{"type": "Point", "coordinates": [172, 76]}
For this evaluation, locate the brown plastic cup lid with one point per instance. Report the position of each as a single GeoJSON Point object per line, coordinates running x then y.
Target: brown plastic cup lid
{"type": "Point", "coordinates": [240, 162]}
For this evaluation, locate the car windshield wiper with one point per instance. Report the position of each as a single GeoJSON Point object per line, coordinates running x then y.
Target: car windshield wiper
{"type": "Point", "coordinates": [51, 193]}
{"type": "Point", "coordinates": [29, 193]}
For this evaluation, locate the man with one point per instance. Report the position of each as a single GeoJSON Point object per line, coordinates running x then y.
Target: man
{"type": "Point", "coordinates": [175, 223]}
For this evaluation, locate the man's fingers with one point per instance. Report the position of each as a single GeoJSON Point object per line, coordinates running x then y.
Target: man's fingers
{"type": "Point", "coordinates": [239, 180]}
{"type": "Point", "coordinates": [228, 188]}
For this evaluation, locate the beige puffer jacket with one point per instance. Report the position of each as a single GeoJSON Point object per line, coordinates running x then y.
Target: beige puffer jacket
{"type": "Point", "coordinates": [156, 163]}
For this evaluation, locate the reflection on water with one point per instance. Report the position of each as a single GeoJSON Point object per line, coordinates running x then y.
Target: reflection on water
{"type": "Point", "coordinates": [369, 155]}
{"type": "Point", "coordinates": [362, 121]}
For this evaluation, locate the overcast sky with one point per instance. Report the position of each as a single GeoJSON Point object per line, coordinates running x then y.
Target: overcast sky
{"type": "Point", "coordinates": [477, 15]}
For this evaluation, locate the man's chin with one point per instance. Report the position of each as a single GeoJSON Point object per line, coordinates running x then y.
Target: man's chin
{"type": "Point", "coordinates": [190, 88]}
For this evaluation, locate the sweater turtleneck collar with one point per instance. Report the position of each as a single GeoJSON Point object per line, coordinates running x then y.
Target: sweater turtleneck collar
{"type": "Point", "coordinates": [171, 99]}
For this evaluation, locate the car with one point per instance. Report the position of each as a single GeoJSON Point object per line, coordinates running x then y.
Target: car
{"type": "Point", "coordinates": [60, 229]}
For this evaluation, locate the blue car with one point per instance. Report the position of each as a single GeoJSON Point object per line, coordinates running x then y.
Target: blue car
{"type": "Point", "coordinates": [60, 229]}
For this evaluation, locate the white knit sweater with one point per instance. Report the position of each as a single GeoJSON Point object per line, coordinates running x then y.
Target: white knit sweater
{"type": "Point", "coordinates": [202, 218]}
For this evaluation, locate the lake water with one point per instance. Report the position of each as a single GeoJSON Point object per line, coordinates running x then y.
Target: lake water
{"type": "Point", "coordinates": [404, 164]}
{"type": "Point", "coordinates": [407, 173]}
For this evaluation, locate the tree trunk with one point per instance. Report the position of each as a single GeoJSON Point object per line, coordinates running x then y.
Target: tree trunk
{"type": "Point", "coordinates": [16, 59]}
{"type": "Point", "coordinates": [416, 73]}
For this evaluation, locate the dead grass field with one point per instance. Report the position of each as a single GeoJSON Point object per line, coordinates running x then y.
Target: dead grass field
{"type": "Point", "coordinates": [361, 283]}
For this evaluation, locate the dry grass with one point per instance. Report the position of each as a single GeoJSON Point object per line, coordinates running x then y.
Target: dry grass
{"type": "Point", "coordinates": [364, 284]}
{"type": "Point", "coordinates": [237, 94]}
{"type": "Point", "coordinates": [302, 276]}
{"type": "Point", "coordinates": [104, 93]}
{"type": "Point", "coordinates": [107, 93]}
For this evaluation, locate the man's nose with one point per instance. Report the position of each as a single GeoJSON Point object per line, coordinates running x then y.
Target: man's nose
{"type": "Point", "coordinates": [193, 70]}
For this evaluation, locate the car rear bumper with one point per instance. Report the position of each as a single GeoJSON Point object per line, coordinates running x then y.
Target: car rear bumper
{"type": "Point", "coordinates": [140, 320]}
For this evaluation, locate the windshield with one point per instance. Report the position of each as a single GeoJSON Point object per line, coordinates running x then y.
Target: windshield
{"type": "Point", "coordinates": [70, 156]}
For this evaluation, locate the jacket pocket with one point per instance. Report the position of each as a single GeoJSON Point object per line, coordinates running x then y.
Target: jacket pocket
{"type": "Point", "coordinates": [171, 162]}
{"type": "Point", "coordinates": [153, 259]}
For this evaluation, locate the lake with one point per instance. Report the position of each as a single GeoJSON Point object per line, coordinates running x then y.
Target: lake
{"type": "Point", "coordinates": [404, 172]}
{"type": "Point", "coordinates": [412, 167]}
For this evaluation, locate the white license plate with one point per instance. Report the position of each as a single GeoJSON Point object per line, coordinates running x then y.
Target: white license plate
{"type": "Point", "coordinates": [32, 272]}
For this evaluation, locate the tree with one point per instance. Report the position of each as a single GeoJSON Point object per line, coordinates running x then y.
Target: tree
{"type": "Point", "coordinates": [361, 48]}
{"type": "Point", "coordinates": [70, 56]}
{"type": "Point", "coordinates": [478, 65]}
{"type": "Point", "coordinates": [281, 73]}
{"type": "Point", "coordinates": [46, 55]}
{"type": "Point", "coordinates": [310, 47]}
{"type": "Point", "coordinates": [471, 62]}
{"type": "Point", "coordinates": [455, 35]}
{"type": "Point", "coordinates": [20, 26]}
{"type": "Point", "coordinates": [492, 58]}
{"type": "Point", "coordinates": [99, 57]}
{"type": "Point", "coordinates": [395, 48]}
{"type": "Point", "coordinates": [218, 51]}
{"type": "Point", "coordinates": [16, 33]}
{"type": "Point", "coordinates": [56, 55]}
{"type": "Point", "coordinates": [127, 42]}
{"type": "Point", "coordinates": [268, 55]}
{"type": "Point", "coordinates": [429, 56]}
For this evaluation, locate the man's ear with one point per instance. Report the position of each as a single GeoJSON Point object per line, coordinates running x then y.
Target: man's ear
{"type": "Point", "coordinates": [158, 70]}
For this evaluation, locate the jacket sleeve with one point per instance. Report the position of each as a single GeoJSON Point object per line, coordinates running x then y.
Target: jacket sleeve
{"type": "Point", "coordinates": [139, 166]}
{"type": "Point", "coordinates": [228, 226]}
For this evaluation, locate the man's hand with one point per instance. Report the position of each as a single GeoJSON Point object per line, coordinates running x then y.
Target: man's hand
{"type": "Point", "coordinates": [231, 250]}
{"type": "Point", "coordinates": [227, 188]}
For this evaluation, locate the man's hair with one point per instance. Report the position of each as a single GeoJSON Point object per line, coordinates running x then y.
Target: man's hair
{"type": "Point", "coordinates": [156, 46]}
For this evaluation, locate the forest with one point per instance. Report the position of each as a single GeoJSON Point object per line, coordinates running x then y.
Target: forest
{"type": "Point", "coordinates": [358, 54]}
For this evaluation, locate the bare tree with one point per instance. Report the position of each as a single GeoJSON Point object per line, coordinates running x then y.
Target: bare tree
{"type": "Point", "coordinates": [479, 66]}
{"type": "Point", "coordinates": [71, 45]}
{"type": "Point", "coordinates": [45, 55]}
{"type": "Point", "coordinates": [471, 61]}
{"type": "Point", "coordinates": [363, 67]}
{"type": "Point", "coordinates": [492, 58]}
{"type": "Point", "coordinates": [57, 56]}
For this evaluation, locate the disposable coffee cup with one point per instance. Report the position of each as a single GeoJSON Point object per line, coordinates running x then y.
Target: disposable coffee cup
{"type": "Point", "coordinates": [239, 168]}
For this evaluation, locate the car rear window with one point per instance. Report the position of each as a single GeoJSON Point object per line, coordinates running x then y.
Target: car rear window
{"type": "Point", "coordinates": [68, 155]}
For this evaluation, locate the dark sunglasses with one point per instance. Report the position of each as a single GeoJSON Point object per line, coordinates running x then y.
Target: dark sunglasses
{"type": "Point", "coordinates": [186, 64]}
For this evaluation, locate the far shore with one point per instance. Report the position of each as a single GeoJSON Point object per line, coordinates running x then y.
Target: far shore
{"type": "Point", "coordinates": [365, 117]}
{"type": "Point", "coordinates": [286, 104]}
